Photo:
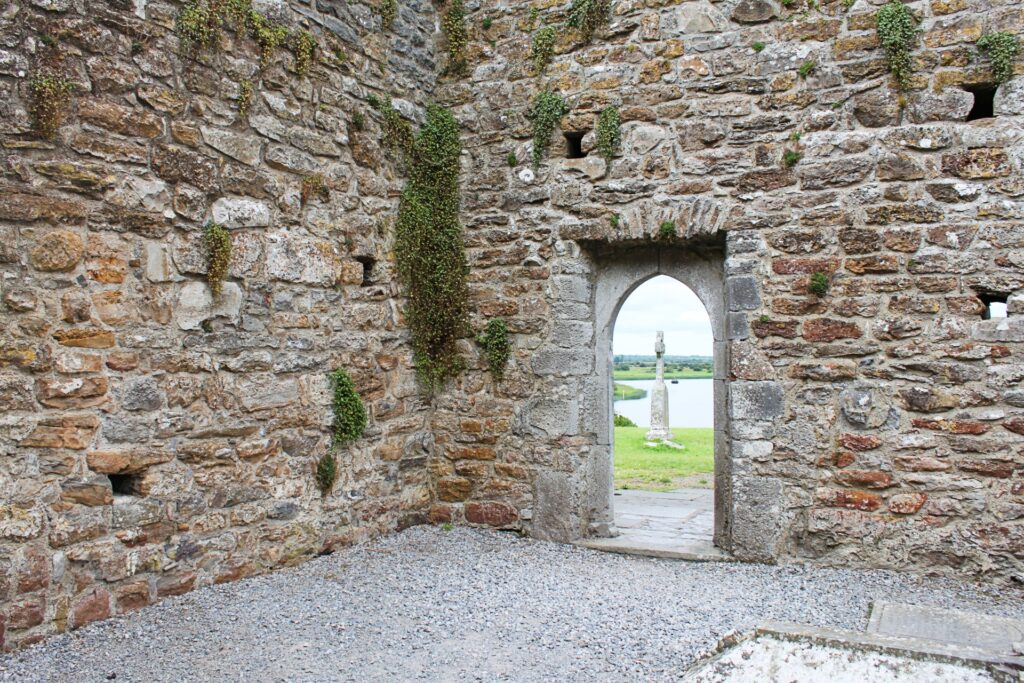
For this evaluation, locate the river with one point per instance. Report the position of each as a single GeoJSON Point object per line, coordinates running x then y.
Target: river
{"type": "Point", "coordinates": [690, 403]}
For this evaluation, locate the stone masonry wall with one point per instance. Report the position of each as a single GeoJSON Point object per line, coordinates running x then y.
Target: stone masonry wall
{"type": "Point", "coordinates": [153, 439]}
{"type": "Point", "coordinates": [879, 425]}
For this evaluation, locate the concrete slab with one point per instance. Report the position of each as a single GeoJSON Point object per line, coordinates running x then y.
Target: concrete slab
{"type": "Point", "coordinates": [677, 525]}
{"type": "Point", "coordinates": [997, 635]}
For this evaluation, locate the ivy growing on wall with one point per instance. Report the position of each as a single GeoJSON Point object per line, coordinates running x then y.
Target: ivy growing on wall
{"type": "Point", "coordinates": [396, 133]}
{"type": "Point", "coordinates": [548, 108]}
{"type": "Point", "coordinates": [326, 472]}
{"type": "Point", "coordinates": [304, 49]}
{"type": "Point", "coordinates": [609, 134]}
{"type": "Point", "coordinates": [1002, 48]}
{"type": "Point", "coordinates": [349, 413]}
{"type": "Point", "coordinates": [587, 16]}
{"type": "Point", "coordinates": [496, 344]}
{"type": "Point", "coordinates": [218, 254]}
{"type": "Point", "coordinates": [543, 48]}
{"type": "Point", "coordinates": [50, 97]}
{"type": "Point", "coordinates": [454, 27]}
{"type": "Point", "coordinates": [244, 97]}
{"type": "Point", "coordinates": [429, 249]}
{"type": "Point", "coordinates": [388, 13]}
{"type": "Point", "coordinates": [897, 30]}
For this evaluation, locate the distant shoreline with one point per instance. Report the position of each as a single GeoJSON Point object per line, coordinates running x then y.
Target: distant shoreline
{"type": "Point", "coordinates": [633, 375]}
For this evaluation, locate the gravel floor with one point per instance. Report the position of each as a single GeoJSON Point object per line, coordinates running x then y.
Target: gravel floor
{"type": "Point", "coordinates": [470, 605]}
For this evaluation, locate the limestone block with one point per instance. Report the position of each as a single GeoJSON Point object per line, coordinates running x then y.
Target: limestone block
{"type": "Point", "coordinates": [57, 251]}
{"type": "Point", "coordinates": [196, 304]}
{"type": "Point", "coordinates": [241, 212]}
{"type": "Point", "coordinates": [297, 259]}
{"type": "Point", "coordinates": [1009, 99]}
{"type": "Point", "coordinates": [238, 146]}
{"type": "Point", "coordinates": [700, 17]}
{"type": "Point", "coordinates": [756, 400]}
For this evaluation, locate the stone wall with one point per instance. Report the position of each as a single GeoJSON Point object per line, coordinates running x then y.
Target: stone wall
{"type": "Point", "coordinates": [154, 439]}
{"type": "Point", "coordinates": [878, 425]}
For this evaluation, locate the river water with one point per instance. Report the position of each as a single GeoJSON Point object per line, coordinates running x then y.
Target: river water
{"type": "Point", "coordinates": [690, 403]}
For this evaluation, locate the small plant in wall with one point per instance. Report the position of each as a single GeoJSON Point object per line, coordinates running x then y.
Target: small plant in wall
{"type": "Point", "coordinates": [349, 413]}
{"type": "Point", "coordinates": [543, 48]}
{"type": "Point", "coordinates": [50, 98]}
{"type": "Point", "coordinates": [1001, 48]}
{"type": "Point", "coordinates": [198, 25]}
{"type": "Point", "coordinates": [511, 160]}
{"type": "Point", "coordinates": [244, 97]}
{"type": "Point", "coordinates": [388, 13]}
{"type": "Point", "coordinates": [396, 132]}
{"type": "Point", "coordinates": [314, 187]}
{"type": "Point", "coordinates": [326, 472]}
{"type": "Point", "coordinates": [586, 16]}
{"type": "Point", "coordinates": [791, 158]}
{"type": "Point", "coordinates": [819, 284]}
{"type": "Point", "coordinates": [495, 343]}
{"type": "Point", "coordinates": [806, 68]}
{"type": "Point", "coordinates": [303, 46]}
{"type": "Point", "coordinates": [218, 255]}
{"type": "Point", "coordinates": [547, 110]}
{"type": "Point", "coordinates": [897, 31]}
{"type": "Point", "coordinates": [667, 230]}
{"type": "Point", "coordinates": [609, 134]}
{"type": "Point", "coordinates": [268, 35]}
{"type": "Point", "coordinates": [454, 27]}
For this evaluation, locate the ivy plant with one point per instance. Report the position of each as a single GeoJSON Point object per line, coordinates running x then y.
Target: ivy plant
{"type": "Point", "coordinates": [586, 16]}
{"type": "Point", "coordinates": [217, 240]}
{"type": "Point", "coordinates": [349, 413]}
{"type": "Point", "coordinates": [50, 97]}
{"type": "Point", "coordinates": [543, 48]}
{"type": "Point", "coordinates": [454, 27]}
{"type": "Point", "coordinates": [429, 249]}
{"type": "Point", "coordinates": [609, 134]}
{"type": "Point", "coordinates": [304, 49]}
{"type": "Point", "coordinates": [548, 108]}
{"type": "Point", "coordinates": [1001, 48]}
{"type": "Point", "coordinates": [897, 30]}
{"type": "Point", "coordinates": [495, 342]}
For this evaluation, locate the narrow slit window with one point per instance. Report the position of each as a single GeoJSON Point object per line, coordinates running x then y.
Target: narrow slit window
{"type": "Point", "coordinates": [984, 101]}
{"type": "Point", "coordinates": [125, 484]}
{"type": "Point", "coordinates": [368, 264]}
{"type": "Point", "coordinates": [574, 146]}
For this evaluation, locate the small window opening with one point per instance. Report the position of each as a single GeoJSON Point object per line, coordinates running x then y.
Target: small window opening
{"type": "Point", "coordinates": [984, 101]}
{"type": "Point", "coordinates": [126, 484]}
{"type": "Point", "coordinates": [368, 264]}
{"type": "Point", "coordinates": [995, 305]}
{"type": "Point", "coordinates": [574, 146]}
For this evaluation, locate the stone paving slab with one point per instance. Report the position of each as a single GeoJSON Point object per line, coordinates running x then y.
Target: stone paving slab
{"type": "Point", "coordinates": [997, 635]}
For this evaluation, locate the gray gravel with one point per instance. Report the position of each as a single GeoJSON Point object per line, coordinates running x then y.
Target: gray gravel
{"type": "Point", "coordinates": [428, 604]}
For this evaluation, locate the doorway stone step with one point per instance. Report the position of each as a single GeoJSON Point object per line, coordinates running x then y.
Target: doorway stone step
{"type": "Point", "coordinates": [656, 545]}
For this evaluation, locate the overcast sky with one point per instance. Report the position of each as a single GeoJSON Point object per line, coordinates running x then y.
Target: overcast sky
{"type": "Point", "coordinates": [664, 304]}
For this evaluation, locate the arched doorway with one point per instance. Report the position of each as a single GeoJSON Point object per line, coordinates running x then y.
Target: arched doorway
{"type": "Point", "coordinates": [663, 403]}
{"type": "Point", "coordinates": [617, 274]}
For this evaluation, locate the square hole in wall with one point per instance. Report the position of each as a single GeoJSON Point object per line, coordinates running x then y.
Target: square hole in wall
{"type": "Point", "coordinates": [368, 265]}
{"type": "Point", "coordinates": [574, 145]}
{"type": "Point", "coordinates": [995, 305]}
{"type": "Point", "coordinates": [984, 101]}
{"type": "Point", "coordinates": [126, 484]}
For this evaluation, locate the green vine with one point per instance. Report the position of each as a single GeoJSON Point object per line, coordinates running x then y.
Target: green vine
{"type": "Point", "coordinates": [1002, 49]}
{"type": "Point", "coordinates": [587, 16]}
{"type": "Point", "coordinates": [218, 255]}
{"type": "Point", "coordinates": [304, 49]}
{"type": "Point", "coordinates": [396, 132]}
{"type": "Point", "coordinates": [388, 11]}
{"type": "Point", "coordinates": [543, 48]}
{"type": "Point", "coordinates": [244, 97]}
{"type": "Point", "coordinates": [268, 35]}
{"type": "Point", "coordinates": [198, 25]}
{"type": "Point", "coordinates": [429, 249]}
{"type": "Point", "coordinates": [497, 346]}
{"type": "Point", "coordinates": [326, 472]}
{"type": "Point", "coordinates": [897, 29]}
{"type": "Point", "coordinates": [548, 108]}
{"type": "Point", "coordinates": [454, 27]}
{"type": "Point", "coordinates": [349, 414]}
{"type": "Point", "coordinates": [609, 134]}
{"type": "Point", "coordinates": [50, 97]}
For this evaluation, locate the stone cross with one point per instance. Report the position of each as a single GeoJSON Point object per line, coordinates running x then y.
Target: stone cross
{"type": "Point", "coordinates": [659, 396]}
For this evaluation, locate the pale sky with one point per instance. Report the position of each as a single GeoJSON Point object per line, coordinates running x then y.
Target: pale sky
{"type": "Point", "coordinates": [663, 303]}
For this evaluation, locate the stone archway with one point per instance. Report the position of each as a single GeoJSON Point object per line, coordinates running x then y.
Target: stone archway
{"type": "Point", "coordinates": [616, 275]}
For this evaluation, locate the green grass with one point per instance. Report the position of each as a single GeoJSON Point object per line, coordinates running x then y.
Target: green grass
{"type": "Point", "coordinates": [627, 393]}
{"type": "Point", "coordinates": [663, 468]}
{"type": "Point", "coordinates": [648, 373]}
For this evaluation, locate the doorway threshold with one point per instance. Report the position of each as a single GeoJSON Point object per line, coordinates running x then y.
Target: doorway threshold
{"type": "Point", "coordinates": [673, 525]}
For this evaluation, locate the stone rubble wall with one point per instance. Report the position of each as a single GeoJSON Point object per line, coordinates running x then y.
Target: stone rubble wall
{"type": "Point", "coordinates": [879, 425]}
{"type": "Point", "coordinates": [117, 366]}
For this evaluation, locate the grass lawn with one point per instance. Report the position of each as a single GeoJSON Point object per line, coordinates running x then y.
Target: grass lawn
{"type": "Point", "coordinates": [627, 393]}
{"type": "Point", "coordinates": [664, 468]}
{"type": "Point", "coordinates": [648, 373]}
